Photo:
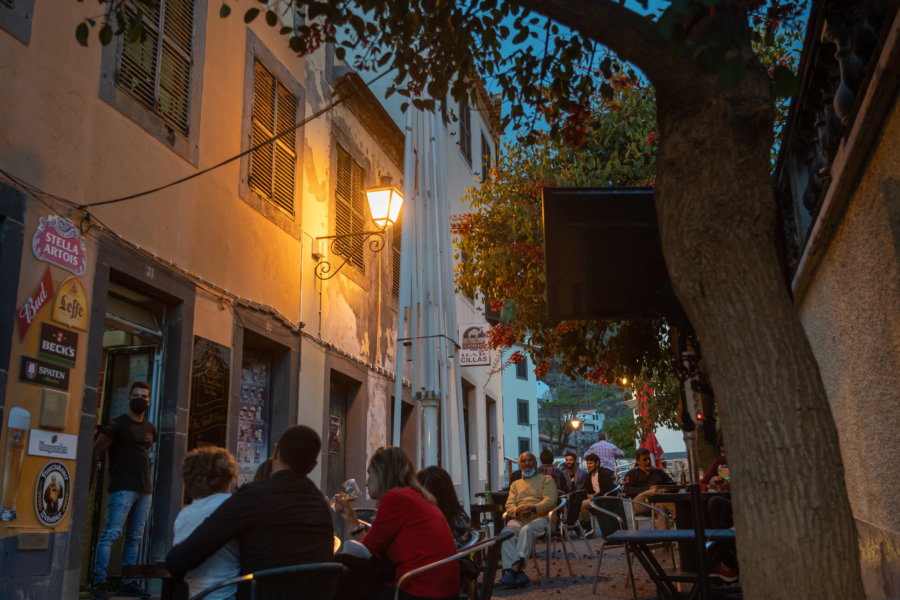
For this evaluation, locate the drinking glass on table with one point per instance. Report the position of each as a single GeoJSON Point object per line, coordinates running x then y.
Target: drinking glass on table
{"type": "Point", "coordinates": [724, 472]}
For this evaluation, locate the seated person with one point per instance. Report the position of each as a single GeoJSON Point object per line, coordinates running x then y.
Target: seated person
{"type": "Point", "coordinates": [278, 522]}
{"type": "Point", "coordinates": [547, 468]}
{"type": "Point", "coordinates": [711, 478]}
{"type": "Point", "coordinates": [531, 498]}
{"type": "Point", "coordinates": [409, 530]}
{"type": "Point", "coordinates": [642, 481]}
{"type": "Point", "coordinates": [598, 482]}
{"type": "Point", "coordinates": [437, 481]}
{"type": "Point", "coordinates": [209, 474]}
{"type": "Point", "coordinates": [575, 481]}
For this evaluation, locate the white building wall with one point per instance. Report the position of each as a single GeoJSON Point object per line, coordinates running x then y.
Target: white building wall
{"type": "Point", "coordinates": [519, 385]}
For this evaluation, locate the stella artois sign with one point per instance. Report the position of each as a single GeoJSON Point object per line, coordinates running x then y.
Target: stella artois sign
{"type": "Point", "coordinates": [58, 242]}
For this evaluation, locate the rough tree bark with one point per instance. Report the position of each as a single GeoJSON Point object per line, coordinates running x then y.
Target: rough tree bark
{"type": "Point", "coordinates": [795, 532]}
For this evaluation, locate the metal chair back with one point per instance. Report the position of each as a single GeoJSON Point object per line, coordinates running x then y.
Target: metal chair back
{"type": "Point", "coordinates": [318, 581]}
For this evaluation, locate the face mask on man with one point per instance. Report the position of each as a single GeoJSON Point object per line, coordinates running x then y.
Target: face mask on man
{"type": "Point", "coordinates": [527, 474]}
{"type": "Point", "coordinates": [137, 405]}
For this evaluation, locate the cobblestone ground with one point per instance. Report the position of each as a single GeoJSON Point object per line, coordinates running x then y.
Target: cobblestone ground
{"type": "Point", "coordinates": [562, 586]}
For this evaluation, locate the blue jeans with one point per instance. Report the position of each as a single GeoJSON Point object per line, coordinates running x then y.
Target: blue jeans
{"type": "Point", "coordinates": [122, 505]}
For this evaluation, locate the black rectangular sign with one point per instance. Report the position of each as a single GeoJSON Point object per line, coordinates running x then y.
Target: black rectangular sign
{"type": "Point", "coordinates": [58, 344]}
{"type": "Point", "coordinates": [41, 372]}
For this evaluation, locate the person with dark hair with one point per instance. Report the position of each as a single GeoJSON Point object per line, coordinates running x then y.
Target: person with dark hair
{"type": "Point", "coordinates": [409, 529]}
{"type": "Point", "coordinates": [575, 479]}
{"type": "Point", "coordinates": [263, 471]}
{"type": "Point", "coordinates": [643, 480]}
{"type": "Point", "coordinates": [555, 473]}
{"type": "Point", "coordinates": [281, 521]}
{"type": "Point", "coordinates": [598, 482]}
{"type": "Point", "coordinates": [208, 474]}
{"type": "Point", "coordinates": [128, 439]}
{"type": "Point", "coordinates": [437, 481]}
{"type": "Point", "coordinates": [606, 453]}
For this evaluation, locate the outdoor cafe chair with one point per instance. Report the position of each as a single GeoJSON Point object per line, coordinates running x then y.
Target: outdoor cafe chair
{"type": "Point", "coordinates": [610, 512]}
{"type": "Point", "coordinates": [577, 525]}
{"type": "Point", "coordinates": [317, 580]}
{"type": "Point", "coordinates": [491, 548]}
{"type": "Point", "coordinates": [553, 522]}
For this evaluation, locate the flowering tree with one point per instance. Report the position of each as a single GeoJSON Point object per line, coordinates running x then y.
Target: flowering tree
{"type": "Point", "coordinates": [714, 202]}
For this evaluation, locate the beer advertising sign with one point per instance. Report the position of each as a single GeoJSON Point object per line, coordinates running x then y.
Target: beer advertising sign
{"type": "Point", "coordinates": [58, 344]}
{"type": "Point", "coordinates": [51, 493]}
{"type": "Point", "coordinates": [41, 296]}
{"type": "Point", "coordinates": [473, 345]}
{"type": "Point", "coordinates": [43, 373]}
{"type": "Point", "coordinates": [57, 241]}
{"type": "Point", "coordinates": [71, 307]}
{"type": "Point", "coordinates": [17, 425]}
{"type": "Point", "coordinates": [52, 444]}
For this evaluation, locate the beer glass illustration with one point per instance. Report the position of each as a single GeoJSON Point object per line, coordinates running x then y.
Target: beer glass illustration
{"type": "Point", "coordinates": [17, 426]}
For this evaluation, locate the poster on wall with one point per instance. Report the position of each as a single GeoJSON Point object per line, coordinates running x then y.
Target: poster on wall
{"type": "Point", "coordinates": [334, 434]}
{"type": "Point", "coordinates": [473, 345]}
{"type": "Point", "coordinates": [253, 425]}
{"type": "Point", "coordinates": [210, 377]}
{"type": "Point", "coordinates": [52, 491]}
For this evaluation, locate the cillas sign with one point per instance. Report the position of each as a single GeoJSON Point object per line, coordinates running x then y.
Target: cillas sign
{"type": "Point", "coordinates": [57, 242]}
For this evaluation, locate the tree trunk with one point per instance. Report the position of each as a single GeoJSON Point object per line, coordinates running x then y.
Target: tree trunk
{"type": "Point", "coordinates": [795, 533]}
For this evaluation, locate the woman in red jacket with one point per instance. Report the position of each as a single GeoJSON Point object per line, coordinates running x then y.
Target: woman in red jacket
{"type": "Point", "coordinates": [409, 529]}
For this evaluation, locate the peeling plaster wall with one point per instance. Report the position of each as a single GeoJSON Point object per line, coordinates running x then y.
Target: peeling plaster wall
{"type": "Point", "coordinates": [851, 313]}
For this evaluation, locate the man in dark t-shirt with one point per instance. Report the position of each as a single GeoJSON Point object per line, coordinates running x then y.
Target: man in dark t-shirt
{"type": "Point", "coordinates": [128, 439]}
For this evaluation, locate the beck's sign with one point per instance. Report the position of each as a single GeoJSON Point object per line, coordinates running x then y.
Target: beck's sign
{"type": "Point", "coordinates": [58, 344]}
{"type": "Point", "coordinates": [57, 241]}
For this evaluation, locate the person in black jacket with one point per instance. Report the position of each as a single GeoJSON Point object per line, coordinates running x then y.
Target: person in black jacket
{"type": "Point", "coordinates": [281, 521]}
{"type": "Point", "coordinates": [642, 481]}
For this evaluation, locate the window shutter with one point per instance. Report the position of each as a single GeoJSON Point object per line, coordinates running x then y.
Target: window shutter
{"type": "Point", "coordinates": [465, 131]}
{"type": "Point", "coordinates": [272, 164]}
{"type": "Point", "coordinates": [396, 241]}
{"type": "Point", "coordinates": [349, 217]}
{"type": "Point", "coordinates": [156, 68]}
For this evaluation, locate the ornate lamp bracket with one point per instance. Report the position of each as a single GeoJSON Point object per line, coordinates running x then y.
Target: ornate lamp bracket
{"type": "Point", "coordinates": [338, 246]}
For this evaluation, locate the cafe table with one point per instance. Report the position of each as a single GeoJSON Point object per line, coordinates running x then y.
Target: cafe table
{"type": "Point", "coordinates": [684, 519]}
{"type": "Point", "coordinates": [640, 541]}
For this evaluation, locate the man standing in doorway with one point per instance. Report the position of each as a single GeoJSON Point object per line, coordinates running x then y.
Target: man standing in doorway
{"type": "Point", "coordinates": [607, 453]}
{"type": "Point", "coordinates": [128, 438]}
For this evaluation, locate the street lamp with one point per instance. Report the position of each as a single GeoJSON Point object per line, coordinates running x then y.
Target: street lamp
{"type": "Point", "coordinates": [385, 203]}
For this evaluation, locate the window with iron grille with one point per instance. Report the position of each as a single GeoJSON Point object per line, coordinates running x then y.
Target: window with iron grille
{"type": "Point", "coordinates": [155, 69]}
{"type": "Point", "coordinates": [396, 240]}
{"type": "Point", "coordinates": [350, 208]}
{"type": "Point", "coordinates": [522, 369]}
{"type": "Point", "coordinates": [15, 18]}
{"type": "Point", "coordinates": [523, 412]}
{"type": "Point", "coordinates": [485, 159]}
{"type": "Point", "coordinates": [465, 131]}
{"type": "Point", "coordinates": [272, 165]}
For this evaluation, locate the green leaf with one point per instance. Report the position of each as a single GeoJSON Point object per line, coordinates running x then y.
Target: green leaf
{"type": "Point", "coordinates": [340, 52]}
{"type": "Point", "coordinates": [296, 44]}
{"type": "Point", "coordinates": [81, 34]}
{"type": "Point", "coordinates": [105, 34]}
{"type": "Point", "coordinates": [271, 18]}
{"type": "Point", "coordinates": [224, 10]}
{"type": "Point", "coordinates": [785, 82]}
{"type": "Point", "coordinates": [731, 73]}
{"type": "Point", "coordinates": [250, 15]}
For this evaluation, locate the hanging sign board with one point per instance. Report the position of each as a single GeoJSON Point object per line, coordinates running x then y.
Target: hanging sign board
{"type": "Point", "coordinates": [57, 241]}
{"type": "Point", "coordinates": [58, 344]}
{"type": "Point", "coordinates": [71, 307]}
{"type": "Point", "coordinates": [34, 303]}
{"type": "Point", "coordinates": [473, 345]}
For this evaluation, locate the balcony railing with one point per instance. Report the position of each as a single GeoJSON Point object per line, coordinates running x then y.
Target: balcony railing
{"type": "Point", "coordinates": [848, 81]}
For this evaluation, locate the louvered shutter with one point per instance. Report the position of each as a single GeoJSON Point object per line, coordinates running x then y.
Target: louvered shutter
{"type": "Point", "coordinates": [349, 217]}
{"type": "Point", "coordinates": [396, 240]}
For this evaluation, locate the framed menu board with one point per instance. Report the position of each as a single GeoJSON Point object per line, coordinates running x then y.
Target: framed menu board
{"type": "Point", "coordinates": [210, 377]}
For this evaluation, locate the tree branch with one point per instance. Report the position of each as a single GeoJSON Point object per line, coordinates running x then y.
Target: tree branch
{"type": "Point", "coordinates": [632, 37]}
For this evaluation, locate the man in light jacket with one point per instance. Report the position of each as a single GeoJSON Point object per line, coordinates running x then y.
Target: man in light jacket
{"type": "Point", "coordinates": [530, 500]}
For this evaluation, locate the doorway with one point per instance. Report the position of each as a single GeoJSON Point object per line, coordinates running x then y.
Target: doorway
{"type": "Point", "coordinates": [133, 343]}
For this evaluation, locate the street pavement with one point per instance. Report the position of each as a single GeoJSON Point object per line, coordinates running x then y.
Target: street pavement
{"type": "Point", "coordinates": [562, 586]}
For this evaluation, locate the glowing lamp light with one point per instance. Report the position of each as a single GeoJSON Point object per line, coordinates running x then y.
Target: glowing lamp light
{"type": "Point", "coordinates": [385, 204]}
{"type": "Point", "coordinates": [575, 424]}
